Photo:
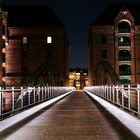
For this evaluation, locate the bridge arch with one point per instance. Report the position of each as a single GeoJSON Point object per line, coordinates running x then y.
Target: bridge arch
{"type": "Point", "coordinates": [46, 75]}
{"type": "Point", "coordinates": [104, 74]}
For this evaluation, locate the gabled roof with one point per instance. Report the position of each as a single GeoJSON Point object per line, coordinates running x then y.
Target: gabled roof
{"type": "Point", "coordinates": [109, 15]}
{"type": "Point", "coordinates": [31, 16]}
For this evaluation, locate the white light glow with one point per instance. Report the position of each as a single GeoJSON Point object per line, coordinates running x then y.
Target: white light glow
{"type": "Point", "coordinates": [78, 74]}
{"type": "Point", "coordinates": [71, 76]}
{"type": "Point", "coordinates": [6, 43]}
{"type": "Point", "coordinates": [125, 21]}
{"type": "Point", "coordinates": [25, 114]}
{"type": "Point", "coordinates": [132, 123]}
{"type": "Point", "coordinates": [124, 12]}
{"type": "Point", "coordinates": [49, 39]}
{"type": "Point", "coordinates": [3, 79]}
{"type": "Point", "coordinates": [3, 50]}
{"type": "Point", "coordinates": [3, 64]}
{"type": "Point", "coordinates": [24, 40]}
{"type": "Point", "coordinates": [3, 37]}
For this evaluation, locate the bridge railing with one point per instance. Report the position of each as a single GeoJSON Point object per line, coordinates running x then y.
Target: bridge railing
{"type": "Point", "coordinates": [126, 97]}
{"type": "Point", "coordinates": [14, 99]}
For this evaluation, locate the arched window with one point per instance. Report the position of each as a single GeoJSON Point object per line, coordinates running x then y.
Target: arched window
{"type": "Point", "coordinates": [124, 41]}
{"type": "Point", "coordinates": [124, 70]}
{"type": "Point", "coordinates": [125, 81]}
{"type": "Point", "coordinates": [124, 55]}
{"type": "Point", "coordinates": [124, 27]}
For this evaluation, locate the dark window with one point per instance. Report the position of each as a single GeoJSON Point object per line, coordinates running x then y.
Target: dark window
{"type": "Point", "coordinates": [3, 43]}
{"type": "Point", "coordinates": [124, 70]}
{"type": "Point", "coordinates": [124, 27]}
{"type": "Point", "coordinates": [3, 30]}
{"type": "Point", "coordinates": [104, 54]}
{"type": "Point", "coordinates": [3, 57]}
{"type": "Point", "coordinates": [103, 39]}
{"type": "Point", "coordinates": [24, 66]}
{"type": "Point", "coordinates": [125, 81]}
{"type": "Point", "coordinates": [3, 72]}
{"type": "Point", "coordinates": [124, 55]}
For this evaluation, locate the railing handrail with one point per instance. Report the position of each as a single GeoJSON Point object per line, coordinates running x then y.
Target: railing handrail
{"type": "Point", "coordinates": [127, 97]}
{"type": "Point", "coordinates": [22, 97]}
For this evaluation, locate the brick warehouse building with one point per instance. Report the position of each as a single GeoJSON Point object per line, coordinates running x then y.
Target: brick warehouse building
{"type": "Point", "coordinates": [33, 47]}
{"type": "Point", "coordinates": [114, 46]}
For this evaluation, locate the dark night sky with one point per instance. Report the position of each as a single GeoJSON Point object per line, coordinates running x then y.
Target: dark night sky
{"type": "Point", "coordinates": [77, 16]}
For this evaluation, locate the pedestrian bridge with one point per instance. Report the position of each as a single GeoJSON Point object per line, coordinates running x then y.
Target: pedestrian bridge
{"type": "Point", "coordinates": [62, 113]}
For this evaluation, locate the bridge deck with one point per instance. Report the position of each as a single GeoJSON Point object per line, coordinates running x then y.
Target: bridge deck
{"type": "Point", "coordinates": [76, 117]}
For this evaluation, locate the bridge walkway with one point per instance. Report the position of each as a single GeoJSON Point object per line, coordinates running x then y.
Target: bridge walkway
{"type": "Point", "coordinates": [76, 117]}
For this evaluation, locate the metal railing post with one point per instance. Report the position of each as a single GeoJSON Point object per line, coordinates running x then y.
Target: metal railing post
{"type": "Point", "coordinates": [110, 93]}
{"type": "Point", "coordinates": [107, 92]}
{"type": "Point", "coordinates": [122, 87]}
{"type": "Point", "coordinates": [34, 94]}
{"type": "Point", "coordinates": [113, 94]}
{"type": "Point", "coordinates": [28, 96]}
{"type": "Point", "coordinates": [102, 91]}
{"type": "Point", "coordinates": [0, 101]}
{"type": "Point", "coordinates": [117, 95]}
{"type": "Point", "coordinates": [38, 92]}
{"type": "Point", "coordinates": [45, 93]}
{"type": "Point", "coordinates": [138, 100]}
{"type": "Point", "coordinates": [22, 97]}
{"type": "Point", "coordinates": [48, 92]}
{"type": "Point", "coordinates": [13, 100]}
{"type": "Point", "coordinates": [42, 93]}
{"type": "Point", "coordinates": [129, 97]}
{"type": "Point", "coordinates": [51, 92]}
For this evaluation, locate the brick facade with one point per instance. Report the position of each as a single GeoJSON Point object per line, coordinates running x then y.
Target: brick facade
{"type": "Point", "coordinates": [27, 54]}
{"type": "Point", "coordinates": [114, 42]}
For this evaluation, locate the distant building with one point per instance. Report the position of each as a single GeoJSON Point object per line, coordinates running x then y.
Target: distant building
{"type": "Point", "coordinates": [78, 78]}
{"type": "Point", "coordinates": [114, 46]}
{"type": "Point", "coordinates": [34, 47]}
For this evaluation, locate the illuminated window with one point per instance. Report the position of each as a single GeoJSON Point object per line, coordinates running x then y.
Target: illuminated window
{"type": "Point", "coordinates": [49, 39]}
{"type": "Point", "coordinates": [124, 41]}
{"type": "Point", "coordinates": [24, 40]}
{"type": "Point", "coordinates": [77, 73]}
{"type": "Point", "coordinates": [3, 64]}
{"type": "Point", "coordinates": [121, 39]}
{"type": "Point", "coordinates": [3, 37]}
{"type": "Point", "coordinates": [71, 76]}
